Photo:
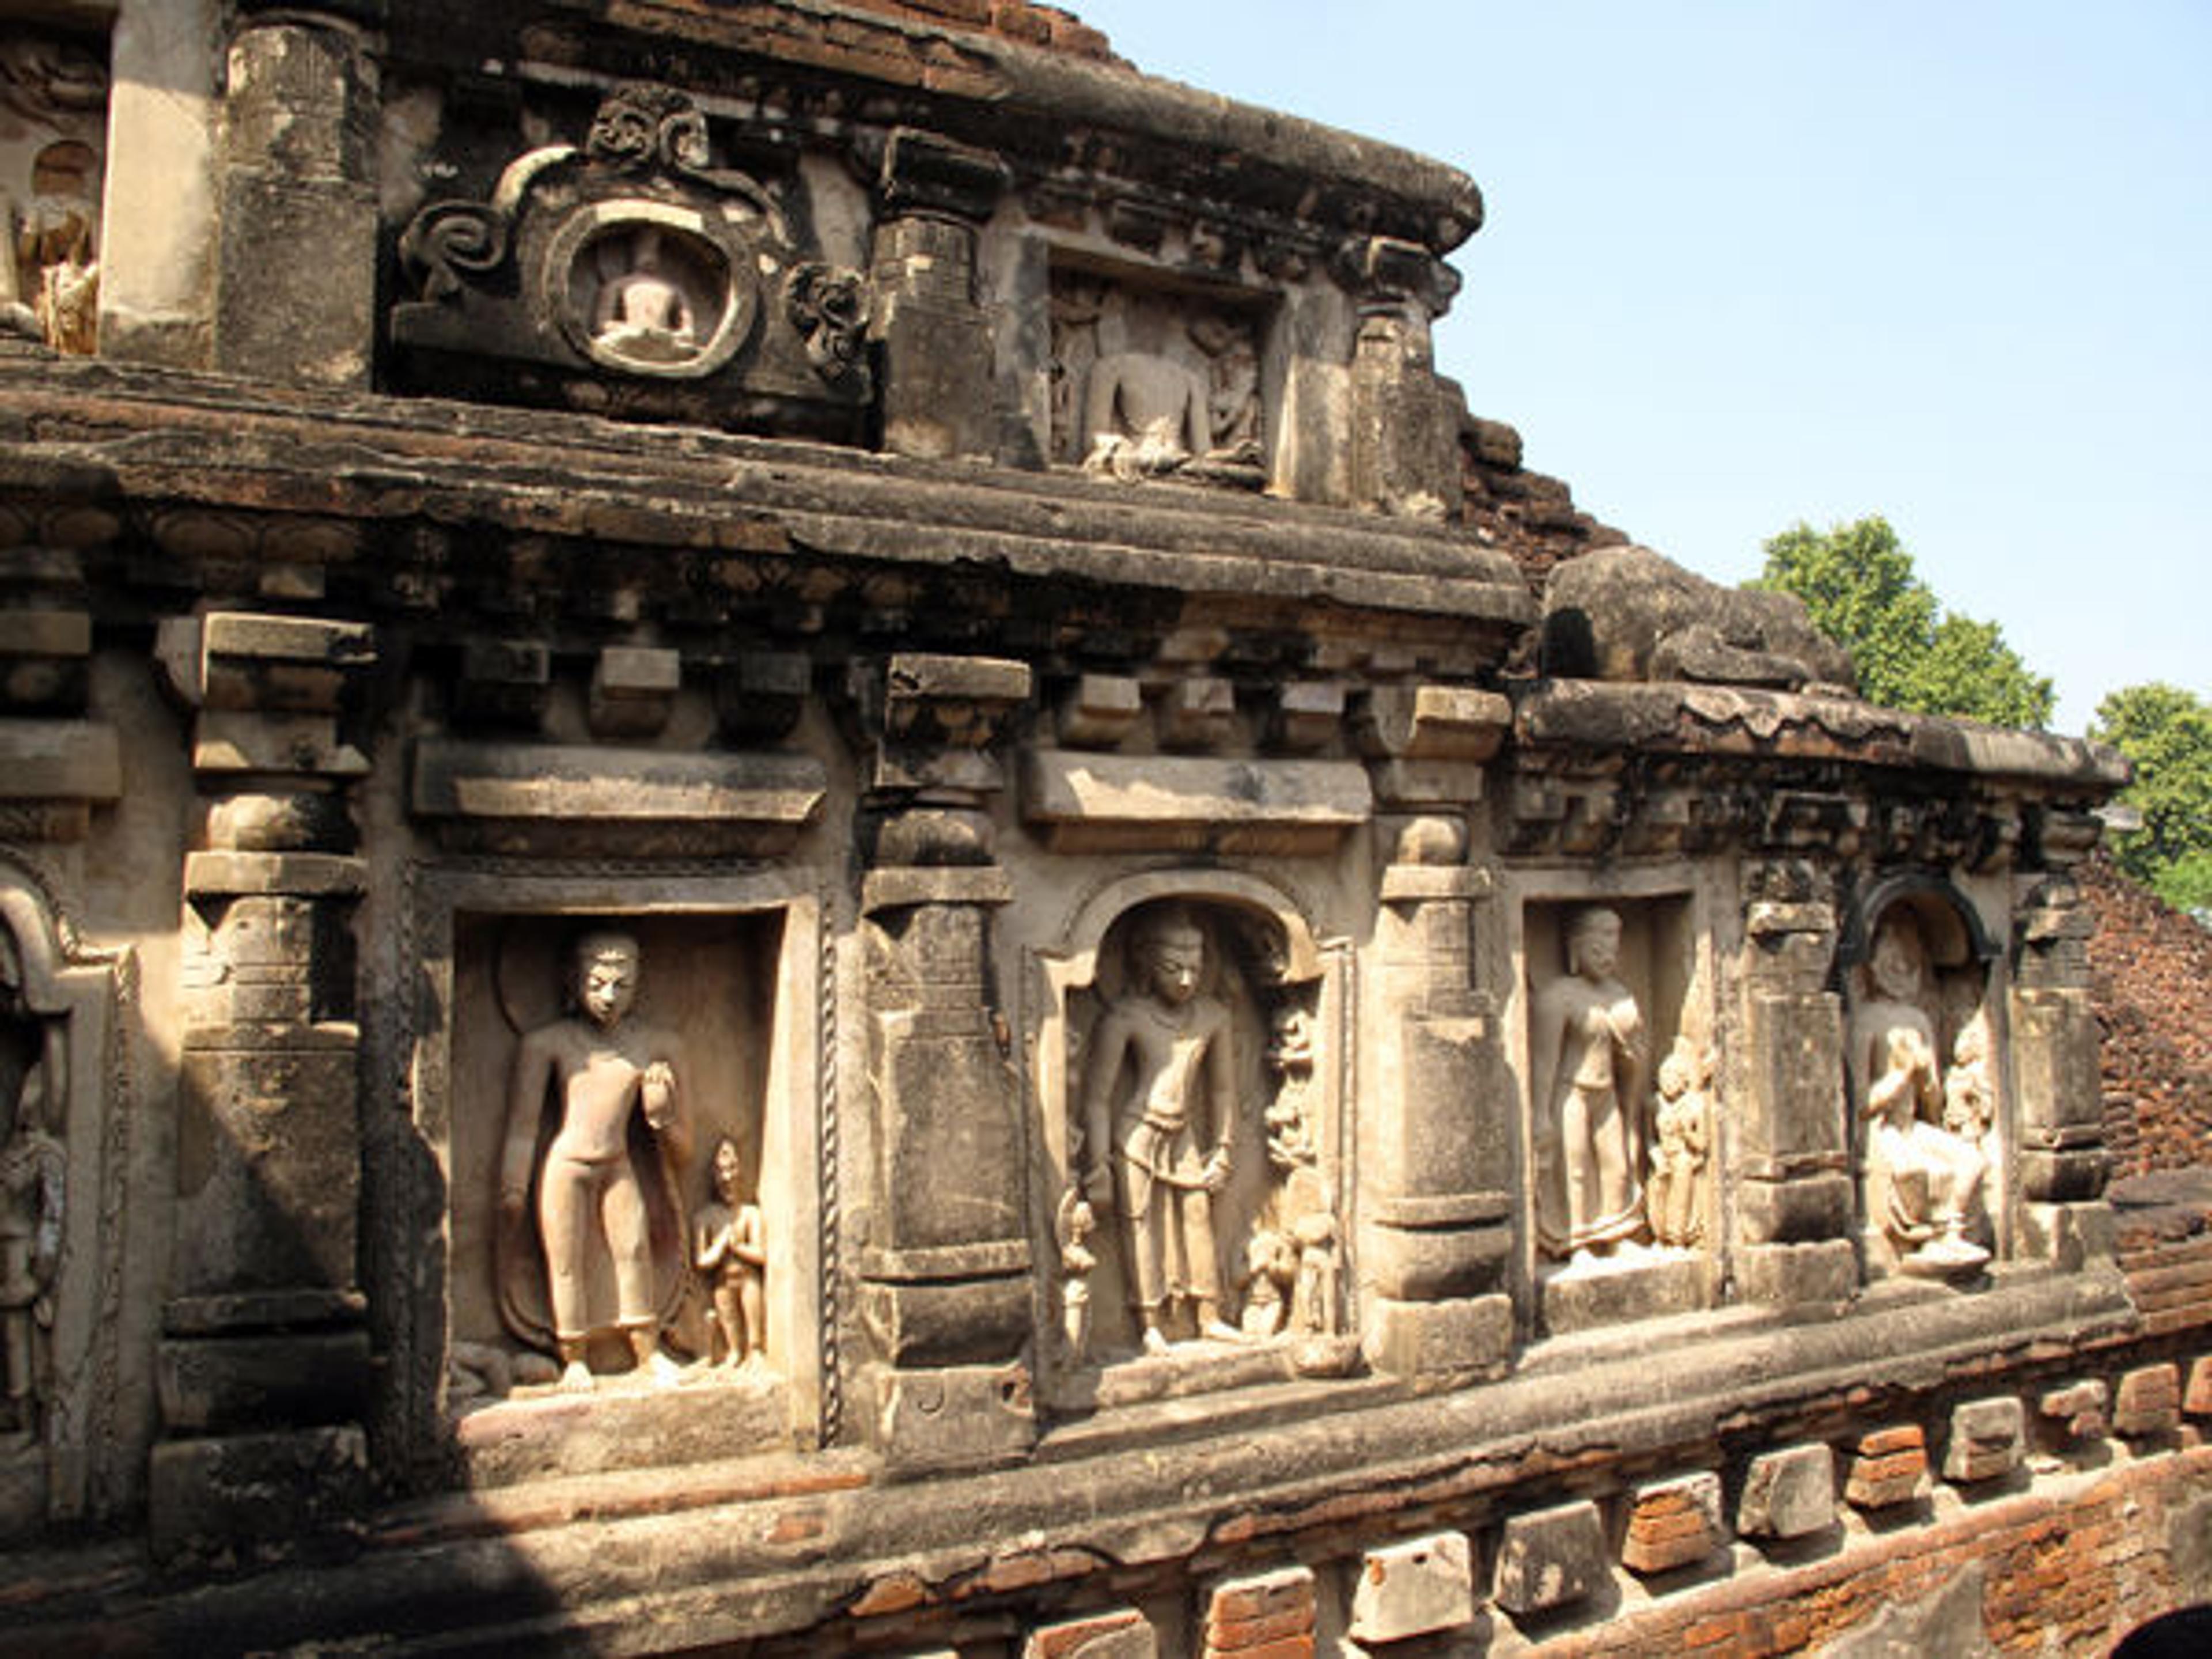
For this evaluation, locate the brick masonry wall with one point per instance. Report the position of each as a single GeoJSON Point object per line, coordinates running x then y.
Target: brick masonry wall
{"type": "Point", "coordinates": [1047, 27]}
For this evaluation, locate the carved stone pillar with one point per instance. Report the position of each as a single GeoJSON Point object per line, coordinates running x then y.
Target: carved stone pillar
{"type": "Point", "coordinates": [1405, 431]}
{"type": "Point", "coordinates": [2062, 1161]}
{"type": "Point", "coordinates": [1791, 1153]}
{"type": "Point", "coordinates": [264, 1366]}
{"type": "Point", "coordinates": [945, 1293]}
{"type": "Point", "coordinates": [933, 337]}
{"type": "Point", "coordinates": [1437, 1145]}
{"type": "Point", "coordinates": [295, 297]}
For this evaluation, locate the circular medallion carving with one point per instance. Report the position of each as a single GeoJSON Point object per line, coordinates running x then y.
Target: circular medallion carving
{"type": "Point", "coordinates": [650, 288]}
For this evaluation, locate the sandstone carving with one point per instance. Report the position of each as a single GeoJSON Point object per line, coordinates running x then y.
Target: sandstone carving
{"type": "Point", "coordinates": [730, 1249]}
{"type": "Point", "coordinates": [1072, 1228]}
{"type": "Point", "coordinates": [1626, 613]}
{"type": "Point", "coordinates": [1586, 1064]}
{"type": "Point", "coordinates": [596, 1075]}
{"type": "Point", "coordinates": [1159, 1126]}
{"type": "Point", "coordinates": [55, 92]}
{"type": "Point", "coordinates": [1682, 1139]}
{"type": "Point", "coordinates": [33, 1189]}
{"type": "Point", "coordinates": [1921, 1179]}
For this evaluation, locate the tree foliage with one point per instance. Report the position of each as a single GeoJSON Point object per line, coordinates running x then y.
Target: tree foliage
{"type": "Point", "coordinates": [2167, 732]}
{"type": "Point", "coordinates": [1860, 588]}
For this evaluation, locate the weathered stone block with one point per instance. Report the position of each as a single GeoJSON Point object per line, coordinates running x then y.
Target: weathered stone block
{"type": "Point", "coordinates": [1888, 1468]}
{"type": "Point", "coordinates": [1122, 1633]}
{"type": "Point", "coordinates": [1788, 1493]}
{"type": "Point", "coordinates": [255, 1381]}
{"type": "Point", "coordinates": [1794, 1051]}
{"type": "Point", "coordinates": [1438, 1339]}
{"type": "Point", "coordinates": [954, 1416]}
{"type": "Point", "coordinates": [1988, 1439]}
{"type": "Point", "coordinates": [1797, 1211]}
{"type": "Point", "coordinates": [1550, 1559]}
{"type": "Point", "coordinates": [1674, 1523]}
{"type": "Point", "coordinates": [1198, 713]}
{"type": "Point", "coordinates": [633, 690]}
{"type": "Point", "coordinates": [1586, 1301]}
{"type": "Point", "coordinates": [208, 1497]}
{"type": "Point", "coordinates": [1413, 1588]}
{"type": "Point", "coordinates": [59, 760]}
{"type": "Point", "coordinates": [1787, 1275]}
{"type": "Point", "coordinates": [2148, 1401]}
{"type": "Point", "coordinates": [1100, 711]}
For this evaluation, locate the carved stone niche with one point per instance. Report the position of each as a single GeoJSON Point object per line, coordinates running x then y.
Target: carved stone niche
{"type": "Point", "coordinates": [53, 135]}
{"type": "Point", "coordinates": [1149, 382]}
{"type": "Point", "coordinates": [630, 275]}
{"type": "Point", "coordinates": [1189, 1034]}
{"type": "Point", "coordinates": [578, 1124]}
{"type": "Point", "coordinates": [1624, 1113]}
{"type": "Point", "coordinates": [66, 1454]}
{"type": "Point", "coordinates": [1924, 1054]}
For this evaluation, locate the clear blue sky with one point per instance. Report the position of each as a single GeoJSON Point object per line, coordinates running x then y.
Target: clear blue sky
{"type": "Point", "coordinates": [1748, 264]}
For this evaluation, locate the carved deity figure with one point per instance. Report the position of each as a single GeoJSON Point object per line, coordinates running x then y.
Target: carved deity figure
{"type": "Point", "coordinates": [1969, 1105]}
{"type": "Point", "coordinates": [1232, 402]}
{"type": "Point", "coordinates": [1922, 1179]}
{"type": "Point", "coordinates": [1682, 1130]}
{"type": "Point", "coordinates": [1160, 1149]}
{"type": "Point", "coordinates": [1586, 1063]}
{"type": "Point", "coordinates": [1146, 412]}
{"type": "Point", "coordinates": [641, 312]}
{"type": "Point", "coordinates": [33, 1187]}
{"type": "Point", "coordinates": [729, 1247]}
{"type": "Point", "coordinates": [1071, 1231]}
{"type": "Point", "coordinates": [602, 1069]}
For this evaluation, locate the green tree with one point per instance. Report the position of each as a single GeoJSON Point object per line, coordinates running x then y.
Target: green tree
{"type": "Point", "coordinates": [2167, 732]}
{"type": "Point", "coordinates": [1859, 586]}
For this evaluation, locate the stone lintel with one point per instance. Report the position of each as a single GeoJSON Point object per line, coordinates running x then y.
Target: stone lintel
{"type": "Point", "coordinates": [1187, 802]}
{"type": "Point", "coordinates": [923, 172]}
{"type": "Point", "coordinates": [905, 889]}
{"type": "Point", "coordinates": [60, 760]}
{"type": "Point", "coordinates": [569, 783]}
{"type": "Point", "coordinates": [251, 635]}
{"type": "Point", "coordinates": [307, 875]}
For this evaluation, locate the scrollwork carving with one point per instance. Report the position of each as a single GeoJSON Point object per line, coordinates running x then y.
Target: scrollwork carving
{"type": "Point", "coordinates": [640, 126]}
{"type": "Point", "coordinates": [829, 306]}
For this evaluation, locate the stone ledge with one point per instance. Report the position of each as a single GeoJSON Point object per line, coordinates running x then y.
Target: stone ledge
{"type": "Point", "coordinates": [1128, 803]}
{"type": "Point", "coordinates": [60, 760]}
{"type": "Point", "coordinates": [559, 783]}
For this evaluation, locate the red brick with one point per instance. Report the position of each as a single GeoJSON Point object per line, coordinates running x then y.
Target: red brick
{"type": "Point", "coordinates": [1233, 1635]}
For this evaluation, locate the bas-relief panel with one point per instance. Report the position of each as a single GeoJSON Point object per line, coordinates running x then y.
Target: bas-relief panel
{"type": "Point", "coordinates": [1192, 1141]}
{"type": "Point", "coordinates": [704, 996]}
{"type": "Point", "coordinates": [1922, 1057]}
{"type": "Point", "coordinates": [53, 136]}
{"type": "Point", "coordinates": [718, 1133]}
{"type": "Point", "coordinates": [1147, 382]}
{"type": "Point", "coordinates": [1623, 1120]}
{"type": "Point", "coordinates": [64, 1120]}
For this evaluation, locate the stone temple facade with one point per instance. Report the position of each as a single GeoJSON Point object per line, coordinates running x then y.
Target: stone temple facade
{"type": "Point", "coordinates": [798, 855]}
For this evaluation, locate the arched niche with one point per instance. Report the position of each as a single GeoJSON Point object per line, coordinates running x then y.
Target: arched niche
{"type": "Point", "coordinates": [1283, 988]}
{"type": "Point", "coordinates": [1914, 952]}
{"type": "Point", "coordinates": [64, 1124]}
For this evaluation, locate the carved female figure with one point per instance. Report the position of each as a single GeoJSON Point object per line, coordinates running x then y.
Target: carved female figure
{"type": "Point", "coordinates": [601, 1070]}
{"type": "Point", "coordinates": [729, 1245]}
{"type": "Point", "coordinates": [1586, 1064]}
{"type": "Point", "coordinates": [1160, 1149]}
{"type": "Point", "coordinates": [1683, 1140]}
